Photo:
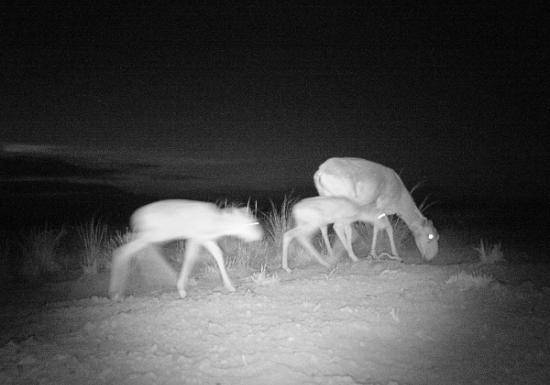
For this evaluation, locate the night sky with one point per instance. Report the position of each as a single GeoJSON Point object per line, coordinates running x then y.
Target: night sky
{"type": "Point", "coordinates": [196, 101]}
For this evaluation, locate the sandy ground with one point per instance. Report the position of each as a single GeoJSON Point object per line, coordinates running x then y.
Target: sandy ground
{"type": "Point", "coordinates": [360, 323]}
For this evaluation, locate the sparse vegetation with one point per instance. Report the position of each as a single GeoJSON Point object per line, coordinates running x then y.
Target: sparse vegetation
{"type": "Point", "coordinates": [359, 298]}
{"type": "Point", "coordinates": [244, 255]}
{"type": "Point", "coordinates": [263, 278]}
{"type": "Point", "coordinates": [119, 239]}
{"type": "Point", "coordinates": [97, 244]}
{"type": "Point", "coordinates": [467, 281]}
{"type": "Point", "coordinates": [95, 241]}
{"type": "Point", "coordinates": [489, 253]}
{"type": "Point", "coordinates": [278, 221]}
{"type": "Point", "coordinates": [38, 250]}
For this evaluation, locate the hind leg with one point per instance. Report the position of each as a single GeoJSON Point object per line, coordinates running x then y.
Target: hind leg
{"type": "Point", "coordinates": [324, 233]}
{"type": "Point", "coordinates": [306, 243]}
{"type": "Point", "coordinates": [190, 256]}
{"type": "Point", "coordinates": [120, 267]}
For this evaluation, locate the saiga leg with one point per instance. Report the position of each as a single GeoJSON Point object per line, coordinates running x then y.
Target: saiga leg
{"type": "Point", "coordinates": [303, 236]}
{"type": "Point", "coordinates": [324, 233]}
{"type": "Point", "coordinates": [344, 232]}
{"type": "Point", "coordinates": [389, 231]}
{"type": "Point", "coordinates": [218, 256]}
{"type": "Point", "coordinates": [287, 238]}
{"type": "Point", "coordinates": [306, 243]}
{"type": "Point", "coordinates": [190, 255]}
{"type": "Point", "coordinates": [120, 266]}
{"type": "Point", "coordinates": [372, 252]}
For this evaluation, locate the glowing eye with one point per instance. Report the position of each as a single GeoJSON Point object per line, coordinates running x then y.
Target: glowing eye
{"type": "Point", "coordinates": [430, 236]}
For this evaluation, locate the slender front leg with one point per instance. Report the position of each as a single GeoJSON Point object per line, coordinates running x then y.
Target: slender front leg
{"type": "Point", "coordinates": [395, 255]}
{"type": "Point", "coordinates": [287, 238]}
{"type": "Point", "coordinates": [344, 232]}
{"type": "Point", "coordinates": [324, 233]}
{"type": "Point", "coordinates": [348, 231]}
{"type": "Point", "coordinates": [190, 255]}
{"type": "Point", "coordinates": [373, 244]}
{"type": "Point", "coordinates": [218, 256]}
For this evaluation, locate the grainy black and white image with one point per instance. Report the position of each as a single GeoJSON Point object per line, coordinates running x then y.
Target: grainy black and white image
{"type": "Point", "coordinates": [274, 193]}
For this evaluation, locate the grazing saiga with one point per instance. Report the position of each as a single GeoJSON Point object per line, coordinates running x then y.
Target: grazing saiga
{"type": "Point", "coordinates": [313, 214]}
{"type": "Point", "coordinates": [368, 182]}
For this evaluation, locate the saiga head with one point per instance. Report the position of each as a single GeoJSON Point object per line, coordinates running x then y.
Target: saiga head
{"type": "Point", "coordinates": [245, 225]}
{"type": "Point", "coordinates": [426, 238]}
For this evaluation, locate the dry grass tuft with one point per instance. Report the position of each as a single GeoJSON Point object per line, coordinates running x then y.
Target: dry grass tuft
{"type": "Point", "coordinates": [95, 255]}
{"type": "Point", "coordinates": [240, 254]}
{"type": "Point", "coordinates": [262, 278]}
{"type": "Point", "coordinates": [489, 253]}
{"type": "Point", "coordinates": [467, 281]}
{"type": "Point", "coordinates": [278, 221]}
{"type": "Point", "coordinates": [38, 249]}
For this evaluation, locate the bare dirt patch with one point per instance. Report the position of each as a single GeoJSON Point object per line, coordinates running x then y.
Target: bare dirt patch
{"type": "Point", "coordinates": [362, 323]}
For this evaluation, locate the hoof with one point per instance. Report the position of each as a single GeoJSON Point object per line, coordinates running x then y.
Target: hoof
{"type": "Point", "coordinates": [182, 293]}
{"type": "Point", "coordinates": [395, 258]}
{"type": "Point", "coordinates": [390, 256]}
